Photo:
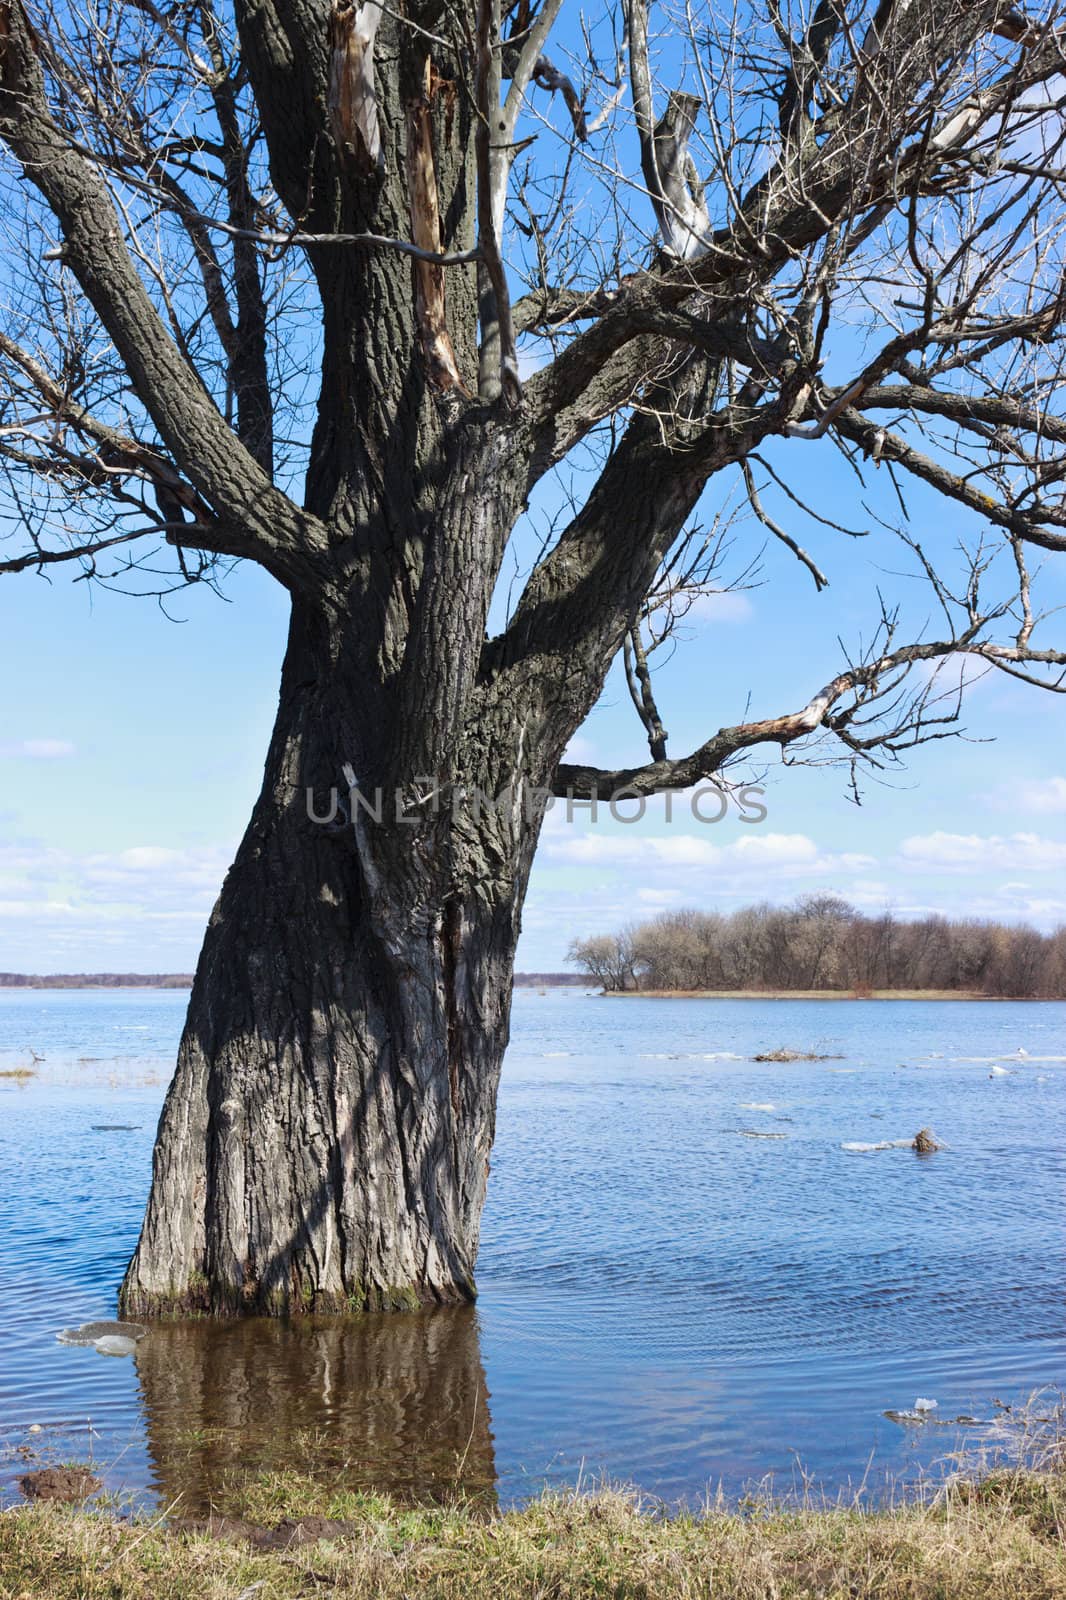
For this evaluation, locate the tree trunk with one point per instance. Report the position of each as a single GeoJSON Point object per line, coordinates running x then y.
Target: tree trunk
{"type": "Point", "coordinates": [324, 1145]}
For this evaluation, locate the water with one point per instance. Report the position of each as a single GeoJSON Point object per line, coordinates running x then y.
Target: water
{"type": "Point", "coordinates": [664, 1298]}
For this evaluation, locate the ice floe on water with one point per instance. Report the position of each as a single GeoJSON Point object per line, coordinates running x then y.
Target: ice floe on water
{"type": "Point", "coordinates": [114, 1344]}
{"type": "Point", "coordinates": [689, 1055]}
{"type": "Point", "coordinates": [757, 1105]}
{"type": "Point", "coordinates": [1017, 1056]}
{"type": "Point", "coordinates": [863, 1146]}
{"type": "Point", "coordinates": [107, 1338]}
{"type": "Point", "coordinates": [920, 1411]}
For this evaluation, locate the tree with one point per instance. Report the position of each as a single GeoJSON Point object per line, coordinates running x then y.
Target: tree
{"type": "Point", "coordinates": [674, 950]}
{"type": "Point", "coordinates": [822, 942]}
{"type": "Point", "coordinates": [213, 207]}
{"type": "Point", "coordinates": [606, 957]}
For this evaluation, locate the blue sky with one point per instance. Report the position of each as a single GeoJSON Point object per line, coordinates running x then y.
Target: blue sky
{"type": "Point", "coordinates": [131, 748]}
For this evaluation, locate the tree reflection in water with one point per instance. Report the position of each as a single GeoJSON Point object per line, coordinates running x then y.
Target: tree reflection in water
{"type": "Point", "coordinates": [388, 1403]}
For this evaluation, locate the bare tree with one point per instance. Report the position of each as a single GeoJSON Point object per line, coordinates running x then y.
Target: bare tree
{"type": "Point", "coordinates": [821, 942]}
{"type": "Point", "coordinates": [275, 273]}
{"type": "Point", "coordinates": [607, 957]}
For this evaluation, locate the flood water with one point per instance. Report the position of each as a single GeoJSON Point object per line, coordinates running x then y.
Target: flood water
{"type": "Point", "coordinates": [666, 1299]}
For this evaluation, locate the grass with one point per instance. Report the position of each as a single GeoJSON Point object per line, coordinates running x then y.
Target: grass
{"type": "Point", "coordinates": [802, 994]}
{"type": "Point", "coordinates": [19, 1072]}
{"type": "Point", "coordinates": [999, 1538]}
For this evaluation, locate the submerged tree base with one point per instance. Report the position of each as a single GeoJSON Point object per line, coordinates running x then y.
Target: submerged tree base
{"type": "Point", "coordinates": [996, 1539]}
{"type": "Point", "coordinates": [201, 1299]}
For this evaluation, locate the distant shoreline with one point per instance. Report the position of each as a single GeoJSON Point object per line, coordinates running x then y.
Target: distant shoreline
{"type": "Point", "coordinates": [183, 980]}
{"type": "Point", "coordinates": [825, 994]}
{"type": "Point", "coordinates": [95, 980]}
{"type": "Point", "coordinates": [104, 982]}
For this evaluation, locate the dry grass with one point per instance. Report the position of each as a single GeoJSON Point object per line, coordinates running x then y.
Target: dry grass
{"type": "Point", "coordinates": [19, 1072]}
{"type": "Point", "coordinates": [997, 1539]}
{"type": "Point", "coordinates": [800, 994]}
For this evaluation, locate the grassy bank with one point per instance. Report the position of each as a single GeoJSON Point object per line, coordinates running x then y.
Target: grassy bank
{"type": "Point", "coordinates": [804, 994]}
{"type": "Point", "coordinates": [1001, 1539]}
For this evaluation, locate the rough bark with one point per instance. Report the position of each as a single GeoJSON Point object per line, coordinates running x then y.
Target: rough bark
{"type": "Point", "coordinates": [325, 1143]}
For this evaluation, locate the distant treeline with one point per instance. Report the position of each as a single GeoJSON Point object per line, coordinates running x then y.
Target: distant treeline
{"type": "Point", "coordinates": [96, 980]}
{"type": "Point", "coordinates": [548, 980]}
{"type": "Point", "coordinates": [821, 942]}
{"type": "Point", "coordinates": [183, 980]}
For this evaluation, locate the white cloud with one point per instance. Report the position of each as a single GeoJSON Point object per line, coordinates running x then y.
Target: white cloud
{"type": "Point", "coordinates": [974, 852]}
{"type": "Point", "coordinates": [658, 897]}
{"type": "Point", "coordinates": [766, 849]}
{"type": "Point", "coordinates": [1045, 796]}
{"type": "Point", "coordinates": [146, 857]}
{"type": "Point", "coordinates": [721, 605]}
{"type": "Point", "coordinates": [150, 902]}
{"type": "Point", "coordinates": [752, 855]}
{"type": "Point", "coordinates": [602, 849]}
{"type": "Point", "coordinates": [38, 749]}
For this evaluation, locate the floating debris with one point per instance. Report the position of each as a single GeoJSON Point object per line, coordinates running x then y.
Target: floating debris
{"type": "Point", "coordinates": [794, 1055]}
{"type": "Point", "coordinates": [921, 1414]}
{"type": "Point", "coordinates": [757, 1133]}
{"type": "Point", "coordinates": [925, 1142]}
{"type": "Point", "coordinates": [920, 1411]}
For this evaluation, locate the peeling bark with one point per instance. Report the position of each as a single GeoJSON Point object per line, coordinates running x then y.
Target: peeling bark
{"type": "Point", "coordinates": [429, 281]}
{"type": "Point", "coordinates": [681, 208]}
{"type": "Point", "coordinates": [353, 103]}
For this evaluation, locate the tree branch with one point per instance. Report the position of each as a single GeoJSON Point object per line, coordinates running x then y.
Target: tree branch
{"type": "Point", "coordinates": [865, 160]}
{"type": "Point", "coordinates": [881, 445]}
{"type": "Point", "coordinates": [205, 449]}
{"type": "Point", "coordinates": [498, 357]}
{"type": "Point", "coordinates": [587, 783]}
